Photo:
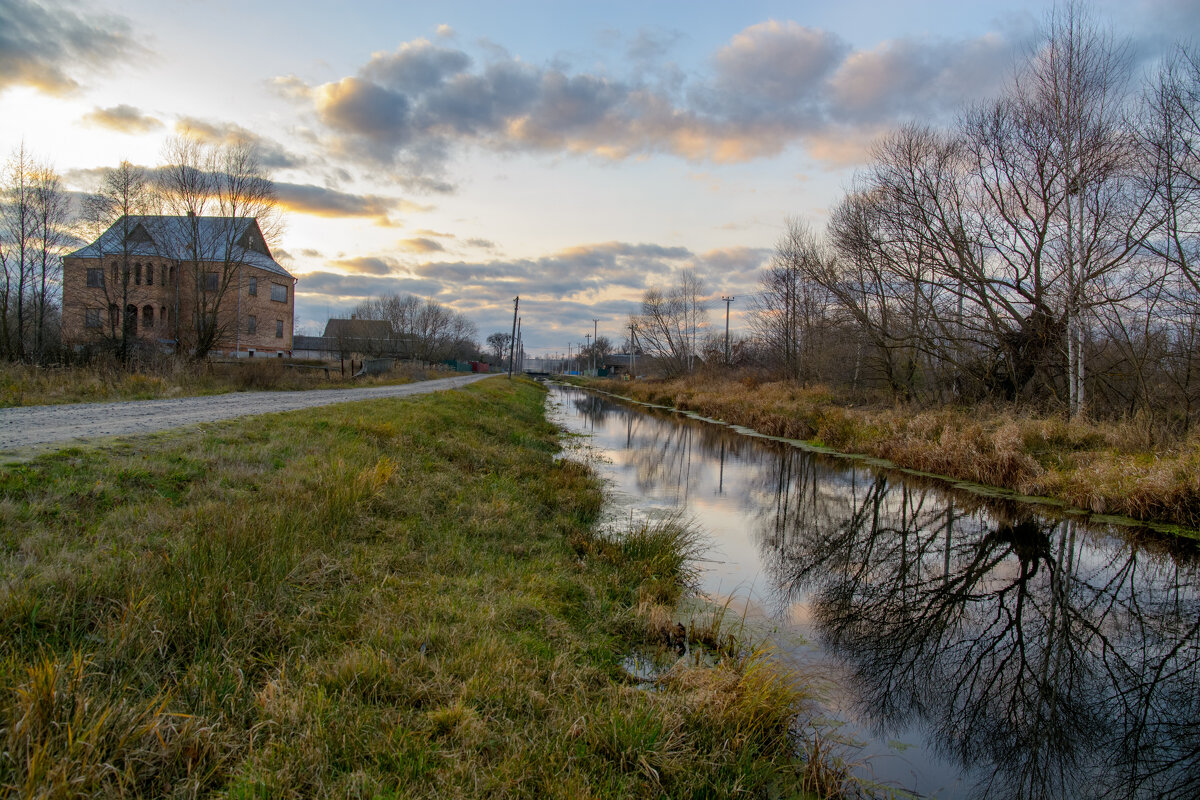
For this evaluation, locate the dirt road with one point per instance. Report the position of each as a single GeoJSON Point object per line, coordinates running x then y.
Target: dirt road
{"type": "Point", "coordinates": [37, 428]}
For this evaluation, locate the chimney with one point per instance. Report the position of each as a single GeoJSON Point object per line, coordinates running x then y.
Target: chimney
{"type": "Point", "coordinates": [353, 316]}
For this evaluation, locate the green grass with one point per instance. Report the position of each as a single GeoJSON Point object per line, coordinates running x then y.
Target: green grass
{"type": "Point", "coordinates": [401, 598]}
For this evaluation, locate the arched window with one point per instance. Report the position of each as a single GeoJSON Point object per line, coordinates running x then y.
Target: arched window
{"type": "Point", "coordinates": [148, 317]}
{"type": "Point", "coordinates": [149, 274]}
{"type": "Point", "coordinates": [131, 314]}
{"type": "Point", "coordinates": [137, 273]}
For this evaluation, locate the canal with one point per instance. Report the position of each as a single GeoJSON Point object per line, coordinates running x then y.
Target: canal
{"type": "Point", "coordinates": [964, 646]}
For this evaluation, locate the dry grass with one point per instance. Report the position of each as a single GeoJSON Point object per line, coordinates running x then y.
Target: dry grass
{"type": "Point", "coordinates": [400, 598]}
{"type": "Point", "coordinates": [26, 385]}
{"type": "Point", "coordinates": [1130, 467]}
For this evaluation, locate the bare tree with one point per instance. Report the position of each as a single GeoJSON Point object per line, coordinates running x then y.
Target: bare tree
{"type": "Point", "coordinates": [51, 216]}
{"type": "Point", "coordinates": [231, 183]}
{"type": "Point", "coordinates": [19, 235]}
{"type": "Point", "coordinates": [498, 342]}
{"type": "Point", "coordinates": [790, 313]}
{"type": "Point", "coordinates": [428, 330]}
{"type": "Point", "coordinates": [123, 195]}
{"type": "Point", "coordinates": [1169, 136]}
{"type": "Point", "coordinates": [1072, 96]}
{"type": "Point", "coordinates": [671, 323]}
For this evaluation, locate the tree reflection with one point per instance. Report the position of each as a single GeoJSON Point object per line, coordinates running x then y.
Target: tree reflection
{"type": "Point", "coordinates": [1056, 661]}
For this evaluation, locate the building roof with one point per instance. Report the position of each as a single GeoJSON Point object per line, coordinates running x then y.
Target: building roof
{"type": "Point", "coordinates": [301, 342]}
{"type": "Point", "coordinates": [358, 329]}
{"type": "Point", "coordinates": [172, 237]}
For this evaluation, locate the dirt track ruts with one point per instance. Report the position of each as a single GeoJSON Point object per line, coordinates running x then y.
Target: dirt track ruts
{"type": "Point", "coordinates": [41, 426]}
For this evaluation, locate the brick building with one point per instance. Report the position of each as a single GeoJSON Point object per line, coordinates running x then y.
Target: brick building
{"type": "Point", "coordinates": [179, 284]}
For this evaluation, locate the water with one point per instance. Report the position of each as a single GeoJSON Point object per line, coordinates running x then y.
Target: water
{"type": "Point", "coordinates": [968, 647]}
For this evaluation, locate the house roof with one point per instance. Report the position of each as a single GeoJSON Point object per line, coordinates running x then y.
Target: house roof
{"type": "Point", "coordinates": [358, 329]}
{"type": "Point", "coordinates": [172, 237]}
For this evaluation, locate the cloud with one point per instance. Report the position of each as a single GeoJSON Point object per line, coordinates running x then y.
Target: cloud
{"type": "Point", "coordinates": [44, 45]}
{"type": "Point", "coordinates": [775, 64]}
{"type": "Point", "coordinates": [421, 244]}
{"type": "Point", "coordinates": [445, 31]}
{"type": "Point", "coordinates": [369, 265]}
{"type": "Point", "coordinates": [123, 118]}
{"type": "Point", "coordinates": [561, 292]}
{"type": "Point", "coordinates": [773, 85]}
{"type": "Point", "coordinates": [918, 78]}
{"type": "Point", "coordinates": [651, 45]}
{"type": "Point", "coordinates": [272, 154]}
{"type": "Point", "coordinates": [731, 265]}
{"type": "Point", "coordinates": [322, 202]}
{"type": "Point", "coordinates": [339, 288]}
{"type": "Point", "coordinates": [572, 272]}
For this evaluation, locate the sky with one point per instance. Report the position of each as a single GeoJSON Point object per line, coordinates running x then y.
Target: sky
{"type": "Point", "coordinates": [574, 154]}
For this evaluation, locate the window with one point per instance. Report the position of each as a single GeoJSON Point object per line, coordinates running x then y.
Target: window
{"type": "Point", "coordinates": [251, 324]}
{"type": "Point", "coordinates": [163, 275]}
{"type": "Point", "coordinates": [278, 292]}
{"type": "Point", "coordinates": [116, 279]}
{"type": "Point", "coordinates": [91, 316]}
{"type": "Point", "coordinates": [95, 277]}
{"type": "Point", "coordinates": [149, 274]}
{"type": "Point", "coordinates": [211, 281]}
{"type": "Point", "coordinates": [148, 316]}
{"type": "Point", "coordinates": [137, 274]}
{"type": "Point", "coordinates": [278, 329]}
{"type": "Point", "coordinates": [253, 286]}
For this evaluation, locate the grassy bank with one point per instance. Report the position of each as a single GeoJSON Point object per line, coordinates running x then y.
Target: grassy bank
{"type": "Point", "coordinates": [401, 598]}
{"type": "Point", "coordinates": [27, 385]}
{"type": "Point", "coordinates": [1130, 468]}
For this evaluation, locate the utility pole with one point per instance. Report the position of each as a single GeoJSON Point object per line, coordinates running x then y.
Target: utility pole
{"type": "Point", "coordinates": [519, 352]}
{"type": "Point", "coordinates": [512, 345]}
{"type": "Point", "coordinates": [596, 339]}
{"type": "Point", "coordinates": [727, 301]}
{"type": "Point", "coordinates": [632, 350]}
{"type": "Point", "coordinates": [588, 337]}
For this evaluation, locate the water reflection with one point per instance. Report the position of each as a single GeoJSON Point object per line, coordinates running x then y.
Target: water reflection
{"type": "Point", "coordinates": [1032, 657]}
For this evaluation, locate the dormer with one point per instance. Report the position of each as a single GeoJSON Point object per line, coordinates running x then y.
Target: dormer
{"type": "Point", "coordinates": [139, 235]}
{"type": "Point", "coordinates": [252, 239]}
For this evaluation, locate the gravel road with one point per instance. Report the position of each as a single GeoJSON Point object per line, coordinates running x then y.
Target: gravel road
{"type": "Point", "coordinates": [42, 427]}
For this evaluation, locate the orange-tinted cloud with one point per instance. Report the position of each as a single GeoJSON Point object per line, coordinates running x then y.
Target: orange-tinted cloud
{"type": "Point", "coordinates": [123, 118]}
{"type": "Point", "coordinates": [368, 265]}
{"type": "Point", "coordinates": [773, 85]}
{"type": "Point", "coordinates": [420, 244]}
{"type": "Point", "coordinates": [322, 202]}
